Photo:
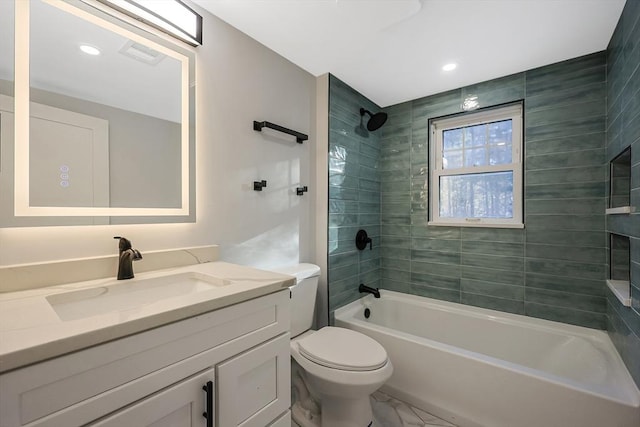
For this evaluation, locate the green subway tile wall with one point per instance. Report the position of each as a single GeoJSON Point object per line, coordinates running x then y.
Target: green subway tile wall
{"type": "Point", "coordinates": [623, 131]}
{"type": "Point", "coordinates": [579, 114]}
{"type": "Point", "coordinates": [554, 268]}
{"type": "Point", "coordinates": [354, 194]}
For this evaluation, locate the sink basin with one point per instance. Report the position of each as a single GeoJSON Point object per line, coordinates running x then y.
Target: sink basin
{"type": "Point", "coordinates": [129, 294]}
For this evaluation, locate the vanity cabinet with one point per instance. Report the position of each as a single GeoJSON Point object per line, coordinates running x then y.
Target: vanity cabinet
{"type": "Point", "coordinates": [251, 387]}
{"type": "Point", "coordinates": [181, 405]}
{"type": "Point", "coordinates": [156, 378]}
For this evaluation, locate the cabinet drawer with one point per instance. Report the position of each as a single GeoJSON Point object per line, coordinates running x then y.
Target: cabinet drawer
{"type": "Point", "coordinates": [80, 387]}
{"type": "Point", "coordinates": [181, 405]}
{"type": "Point", "coordinates": [255, 387]}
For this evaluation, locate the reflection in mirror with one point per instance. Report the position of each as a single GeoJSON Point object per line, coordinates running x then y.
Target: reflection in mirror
{"type": "Point", "coordinates": [108, 124]}
{"type": "Point", "coordinates": [6, 45]}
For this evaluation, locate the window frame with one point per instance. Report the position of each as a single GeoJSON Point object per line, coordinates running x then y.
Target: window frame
{"type": "Point", "coordinates": [438, 126]}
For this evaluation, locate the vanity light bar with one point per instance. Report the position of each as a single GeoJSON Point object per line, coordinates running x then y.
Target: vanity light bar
{"type": "Point", "coordinates": [170, 16]}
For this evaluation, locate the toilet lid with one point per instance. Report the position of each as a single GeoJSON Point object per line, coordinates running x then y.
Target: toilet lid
{"type": "Point", "coordinates": [344, 349]}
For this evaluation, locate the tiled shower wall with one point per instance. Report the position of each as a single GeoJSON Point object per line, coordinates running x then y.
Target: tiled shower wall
{"type": "Point", "coordinates": [555, 267]}
{"type": "Point", "coordinates": [623, 130]}
{"type": "Point", "coordinates": [354, 194]}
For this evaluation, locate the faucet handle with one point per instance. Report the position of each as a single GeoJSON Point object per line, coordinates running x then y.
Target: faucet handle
{"type": "Point", "coordinates": [362, 240]}
{"type": "Point", "coordinates": [137, 256]}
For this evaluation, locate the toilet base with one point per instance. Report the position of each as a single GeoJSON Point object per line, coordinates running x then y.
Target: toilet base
{"type": "Point", "coordinates": [341, 412]}
{"type": "Point", "coordinates": [332, 411]}
{"type": "Point", "coordinates": [336, 413]}
{"type": "Point", "coordinates": [305, 411]}
{"type": "Point", "coordinates": [303, 417]}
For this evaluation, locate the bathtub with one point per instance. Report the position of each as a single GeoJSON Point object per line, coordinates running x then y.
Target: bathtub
{"type": "Point", "coordinates": [483, 368]}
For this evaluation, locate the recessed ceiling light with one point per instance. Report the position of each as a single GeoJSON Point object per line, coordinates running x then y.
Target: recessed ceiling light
{"type": "Point", "coordinates": [449, 67]}
{"type": "Point", "coordinates": [89, 50]}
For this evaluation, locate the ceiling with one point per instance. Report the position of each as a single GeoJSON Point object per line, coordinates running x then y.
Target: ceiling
{"type": "Point", "coordinates": [393, 50]}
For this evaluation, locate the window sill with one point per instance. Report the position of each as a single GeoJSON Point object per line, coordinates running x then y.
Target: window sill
{"type": "Point", "coordinates": [621, 290]}
{"type": "Point", "coordinates": [474, 224]}
{"type": "Point", "coordinates": [619, 210]}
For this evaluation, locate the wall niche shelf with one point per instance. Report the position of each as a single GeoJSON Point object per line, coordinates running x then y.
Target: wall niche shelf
{"type": "Point", "coordinates": [619, 245]}
{"type": "Point", "coordinates": [621, 210]}
{"type": "Point", "coordinates": [621, 290]}
{"type": "Point", "coordinates": [620, 268]}
{"type": "Point", "coordinates": [620, 184]}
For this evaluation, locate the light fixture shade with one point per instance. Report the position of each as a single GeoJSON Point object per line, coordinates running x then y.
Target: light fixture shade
{"type": "Point", "coordinates": [170, 16]}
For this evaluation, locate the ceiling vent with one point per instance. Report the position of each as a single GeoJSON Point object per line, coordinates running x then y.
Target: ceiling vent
{"type": "Point", "coordinates": [141, 53]}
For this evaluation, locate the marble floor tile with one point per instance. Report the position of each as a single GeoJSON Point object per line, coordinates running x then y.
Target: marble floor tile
{"type": "Point", "coordinates": [391, 412]}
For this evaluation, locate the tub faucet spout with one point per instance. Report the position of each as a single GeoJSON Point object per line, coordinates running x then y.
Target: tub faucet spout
{"type": "Point", "coordinates": [364, 288]}
{"type": "Point", "coordinates": [126, 257]}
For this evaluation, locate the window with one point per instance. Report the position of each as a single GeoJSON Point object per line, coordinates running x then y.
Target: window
{"type": "Point", "coordinates": [476, 169]}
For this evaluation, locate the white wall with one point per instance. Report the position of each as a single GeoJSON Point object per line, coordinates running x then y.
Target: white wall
{"type": "Point", "coordinates": [238, 81]}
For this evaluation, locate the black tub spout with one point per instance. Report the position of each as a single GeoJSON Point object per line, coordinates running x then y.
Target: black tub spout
{"type": "Point", "coordinates": [364, 288]}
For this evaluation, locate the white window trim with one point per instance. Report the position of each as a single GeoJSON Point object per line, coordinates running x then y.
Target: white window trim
{"type": "Point", "coordinates": [513, 112]}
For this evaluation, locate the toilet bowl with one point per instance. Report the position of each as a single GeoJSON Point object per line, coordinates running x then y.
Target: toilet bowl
{"type": "Point", "coordinates": [342, 368]}
{"type": "Point", "coordinates": [339, 367]}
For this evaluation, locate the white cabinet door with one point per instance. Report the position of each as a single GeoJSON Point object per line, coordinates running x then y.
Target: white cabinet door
{"type": "Point", "coordinates": [254, 388]}
{"type": "Point", "coordinates": [181, 405]}
{"type": "Point", "coordinates": [283, 421]}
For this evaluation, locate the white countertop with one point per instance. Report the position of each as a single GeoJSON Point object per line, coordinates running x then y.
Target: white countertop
{"type": "Point", "coordinates": [32, 331]}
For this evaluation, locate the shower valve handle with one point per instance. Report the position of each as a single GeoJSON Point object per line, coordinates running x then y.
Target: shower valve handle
{"type": "Point", "coordinates": [362, 240]}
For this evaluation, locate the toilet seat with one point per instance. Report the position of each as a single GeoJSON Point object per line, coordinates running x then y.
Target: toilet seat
{"type": "Point", "coordinates": [343, 349]}
{"type": "Point", "coordinates": [332, 377]}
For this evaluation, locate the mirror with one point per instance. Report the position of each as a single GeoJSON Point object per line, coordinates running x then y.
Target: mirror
{"type": "Point", "coordinates": [96, 122]}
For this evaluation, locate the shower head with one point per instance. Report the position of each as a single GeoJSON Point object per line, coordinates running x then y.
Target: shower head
{"type": "Point", "coordinates": [375, 121]}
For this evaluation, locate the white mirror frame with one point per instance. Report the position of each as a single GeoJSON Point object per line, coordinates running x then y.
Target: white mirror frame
{"type": "Point", "coordinates": [22, 101]}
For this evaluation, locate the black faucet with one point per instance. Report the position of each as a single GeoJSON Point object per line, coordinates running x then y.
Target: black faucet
{"type": "Point", "coordinates": [365, 288]}
{"type": "Point", "coordinates": [126, 258]}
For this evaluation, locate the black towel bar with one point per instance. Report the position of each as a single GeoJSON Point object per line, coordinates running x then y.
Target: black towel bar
{"type": "Point", "coordinates": [300, 137]}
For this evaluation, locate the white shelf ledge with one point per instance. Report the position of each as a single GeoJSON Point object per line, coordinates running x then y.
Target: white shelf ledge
{"type": "Point", "coordinates": [619, 210]}
{"type": "Point", "coordinates": [621, 289]}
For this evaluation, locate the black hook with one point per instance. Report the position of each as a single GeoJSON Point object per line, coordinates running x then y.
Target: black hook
{"type": "Point", "coordinates": [259, 185]}
{"type": "Point", "coordinates": [301, 190]}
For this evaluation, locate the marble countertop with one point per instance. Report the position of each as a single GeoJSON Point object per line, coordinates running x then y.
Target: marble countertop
{"type": "Point", "coordinates": [31, 330]}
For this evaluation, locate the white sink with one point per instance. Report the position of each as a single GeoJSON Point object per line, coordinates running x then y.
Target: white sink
{"type": "Point", "coordinates": [129, 294]}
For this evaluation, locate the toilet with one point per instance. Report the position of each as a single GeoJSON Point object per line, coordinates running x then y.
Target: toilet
{"type": "Point", "coordinates": [339, 367]}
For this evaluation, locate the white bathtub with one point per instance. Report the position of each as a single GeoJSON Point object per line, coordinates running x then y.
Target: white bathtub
{"type": "Point", "coordinates": [477, 367]}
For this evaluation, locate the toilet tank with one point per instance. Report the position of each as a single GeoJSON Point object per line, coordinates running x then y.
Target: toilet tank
{"type": "Point", "coordinates": [303, 295]}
